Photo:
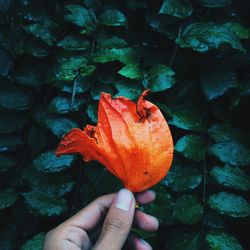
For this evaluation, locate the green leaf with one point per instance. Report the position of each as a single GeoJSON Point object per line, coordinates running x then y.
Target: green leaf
{"type": "Point", "coordinates": [112, 18]}
{"type": "Point", "coordinates": [230, 152]}
{"type": "Point", "coordinates": [87, 70]}
{"type": "Point", "coordinates": [82, 17]}
{"type": "Point", "coordinates": [161, 78]}
{"type": "Point", "coordinates": [215, 3]}
{"type": "Point", "coordinates": [48, 162]}
{"type": "Point", "coordinates": [188, 209]}
{"type": "Point", "coordinates": [98, 174]}
{"type": "Point", "coordinates": [36, 243]}
{"type": "Point", "coordinates": [229, 204]}
{"type": "Point", "coordinates": [128, 89]}
{"type": "Point", "coordinates": [230, 176]}
{"type": "Point", "coordinates": [205, 36]}
{"type": "Point", "coordinates": [123, 55]}
{"type": "Point", "coordinates": [44, 204]}
{"type": "Point", "coordinates": [15, 99]}
{"type": "Point", "coordinates": [182, 178]}
{"type": "Point", "coordinates": [29, 76]}
{"type": "Point", "coordinates": [82, 84]}
{"type": "Point", "coordinates": [43, 31]}
{"type": "Point", "coordinates": [56, 124]}
{"type": "Point", "coordinates": [68, 67]}
{"type": "Point", "coordinates": [6, 163]}
{"type": "Point", "coordinates": [162, 207]}
{"type": "Point", "coordinates": [8, 197]}
{"type": "Point", "coordinates": [186, 118]}
{"type": "Point", "coordinates": [240, 31]}
{"type": "Point", "coordinates": [62, 105]}
{"type": "Point", "coordinates": [180, 238]}
{"type": "Point", "coordinates": [58, 183]}
{"type": "Point", "coordinates": [218, 80]}
{"type": "Point", "coordinates": [104, 42]}
{"type": "Point", "coordinates": [36, 48]}
{"type": "Point", "coordinates": [177, 8]}
{"type": "Point", "coordinates": [222, 241]}
{"type": "Point", "coordinates": [222, 132]}
{"type": "Point", "coordinates": [192, 147]}
{"type": "Point", "coordinates": [91, 110]}
{"type": "Point", "coordinates": [12, 122]}
{"type": "Point", "coordinates": [131, 72]}
{"type": "Point", "coordinates": [75, 43]}
{"type": "Point", "coordinates": [9, 143]}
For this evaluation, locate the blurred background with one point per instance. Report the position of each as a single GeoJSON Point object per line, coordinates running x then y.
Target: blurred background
{"type": "Point", "coordinates": [55, 59]}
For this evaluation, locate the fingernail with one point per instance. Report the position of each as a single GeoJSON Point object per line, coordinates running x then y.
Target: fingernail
{"type": "Point", "coordinates": [145, 243]}
{"type": "Point", "coordinates": [124, 200]}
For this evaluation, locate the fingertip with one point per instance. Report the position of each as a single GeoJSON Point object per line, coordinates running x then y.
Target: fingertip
{"type": "Point", "coordinates": [146, 222]}
{"type": "Point", "coordinates": [138, 244]}
{"type": "Point", "coordinates": [145, 197]}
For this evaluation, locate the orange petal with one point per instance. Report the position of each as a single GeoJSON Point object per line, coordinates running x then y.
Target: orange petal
{"type": "Point", "coordinates": [78, 141]}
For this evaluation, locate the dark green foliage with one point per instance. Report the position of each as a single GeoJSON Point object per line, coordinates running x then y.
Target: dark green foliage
{"type": "Point", "coordinates": [55, 59]}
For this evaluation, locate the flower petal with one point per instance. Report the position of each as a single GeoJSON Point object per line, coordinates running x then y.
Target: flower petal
{"type": "Point", "coordinates": [78, 141]}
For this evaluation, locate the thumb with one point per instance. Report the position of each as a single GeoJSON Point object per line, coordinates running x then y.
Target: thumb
{"type": "Point", "coordinates": [118, 222]}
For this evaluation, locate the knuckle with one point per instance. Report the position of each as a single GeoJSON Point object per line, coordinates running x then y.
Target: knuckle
{"type": "Point", "coordinates": [115, 225]}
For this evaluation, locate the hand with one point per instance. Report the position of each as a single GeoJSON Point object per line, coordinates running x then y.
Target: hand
{"type": "Point", "coordinates": [90, 229]}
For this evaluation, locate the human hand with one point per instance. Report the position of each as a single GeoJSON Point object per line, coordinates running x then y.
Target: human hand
{"type": "Point", "coordinates": [105, 224]}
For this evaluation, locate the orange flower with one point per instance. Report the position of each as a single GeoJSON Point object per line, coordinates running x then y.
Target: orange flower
{"type": "Point", "coordinates": [132, 141]}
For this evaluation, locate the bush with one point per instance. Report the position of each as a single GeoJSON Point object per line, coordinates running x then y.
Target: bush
{"type": "Point", "coordinates": [55, 59]}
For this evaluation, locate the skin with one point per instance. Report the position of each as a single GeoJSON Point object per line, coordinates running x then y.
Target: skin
{"type": "Point", "coordinates": [101, 225]}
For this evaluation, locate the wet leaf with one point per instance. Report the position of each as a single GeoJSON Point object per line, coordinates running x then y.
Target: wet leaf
{"type": "Point", "coordinates": [43, 31]}
{"type": "Point", "coordinates": [44, 204]}
{"type": "Point", "coordinates": [186, 118]}
{"type": "Point", "coordinates": [36, 243]}
{"type": "Point", "coordinates": [131, 72]}
{"type": "Point", "coordinates": [48, 162]}
{"type": "Point", "coordinates": [123, 55]}
{"type": "Point", "coordinates": [75, 43]}
{"type": "Point", "coordinates": [230, 176]}
{"type": "Point", "coordinates": [182, 178]}
{"type": "Point", "coordinates": [229, 204]}
{"type": "Point", "coordinates": [177, 8]}
{"type": "Point", "coordinates": [192, 147]}
{"type": "Point", "coordinates": [162, 207]}
{"type": "Point", "coordinates": [205, 36]}
{"type": "Point", "coordinates": [221, 240]}
{"type": "Point", "coordinates": [188, 209]}
{"type": "Point", "coordinates": [68, 67]}
{"type": "Point", "coordinates": [218, 80]}
{"type": "Point", "coordinates": [58, 125]}
{"type": "Point", "coordinates": [128, 89]}
{"type": "Point", "coordinates": [161, 78]}
{"type": "Point", "coordinates": [231, 152]}
{"type": "Point", "coordinates": [112, 17]}
{"type": "Point", "coordinates": [92, 111]}
{"type": "Point", "coordinates": [222, 132]}
{"type": "Point", "coordinates": [15, 99]}
{"type": "Point", "coordinates": [63, 105]}
{"type": "Point", "coordinates": [82, 17]}
{"type": "Point", "coordinates": [8, 197]}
